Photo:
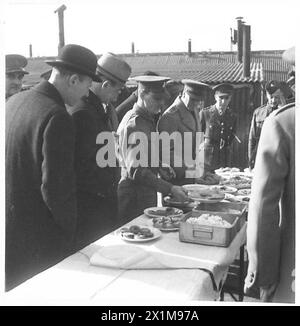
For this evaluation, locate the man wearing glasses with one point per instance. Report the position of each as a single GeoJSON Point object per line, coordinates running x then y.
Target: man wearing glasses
{"type": "Point", "coordinates": [15, 73]}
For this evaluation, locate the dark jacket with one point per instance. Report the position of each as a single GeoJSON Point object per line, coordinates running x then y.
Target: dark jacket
{"type": "Point", "coordinates": [40, 186]}
{"type": "Point", "coordinates": [96, 186]}
{"type": "Point", "coordinates": [219, 132]}
{"type": "Point", "coordinates": [258, 118]}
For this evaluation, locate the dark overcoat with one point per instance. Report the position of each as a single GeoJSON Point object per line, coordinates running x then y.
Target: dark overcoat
{"type": "Point", "coordinates": [96, 185]}
{"type": "Point", "coordinates": [40, 185]}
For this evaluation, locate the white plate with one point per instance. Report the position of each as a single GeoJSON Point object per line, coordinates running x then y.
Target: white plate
{"type": "Point", "coordinates": [166, 220]}
{"type": "Point", "coordinates": [170, 211]}
{"type": "Point", "coordinates": [156, 234]}
{"type": "Point", "coordinates": [202, 199]}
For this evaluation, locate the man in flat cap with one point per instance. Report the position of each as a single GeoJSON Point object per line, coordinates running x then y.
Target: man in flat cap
{"type": "Point", "coordinates": [97, 185]}
{"type": "Point", "coordinates": [271, 212]}
{"type": "Point", "coordinates": [41, 210]}
{"type": "Point", "coordinates": [15, 72]}
{"type": "Point", "coordinates": [181, 119]}
{"type": "Point", "coordinates": [218, 123]}
{"type": "Point", "coordinates": [276, 99]}
{"type": "Point", "coordinates": [139, 180]}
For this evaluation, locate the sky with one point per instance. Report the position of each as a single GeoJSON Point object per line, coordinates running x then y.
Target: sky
{"type": "Point", "coordinates": [153, 25]}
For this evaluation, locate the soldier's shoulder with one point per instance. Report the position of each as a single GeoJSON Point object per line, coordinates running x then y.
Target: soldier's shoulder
{"type": "Point", "coordinates": [285, 108]}
{"type": "Point", "coordinates": [261, 108]}
{"type": "Point", "coordinates": [209, 108]}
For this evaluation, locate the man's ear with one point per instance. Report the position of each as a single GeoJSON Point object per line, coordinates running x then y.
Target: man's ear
{"type": "Point", "coordinates": [106, 84]}
{"type": "Point", "coordinates": [73, 79]}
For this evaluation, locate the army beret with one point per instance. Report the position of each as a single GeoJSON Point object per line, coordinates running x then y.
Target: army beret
{"type": "Point", "coordinates": [15, 63]}
{"type": "Point", "coordinates": [272, 86]}
{"type": "Point", "coordinates": [224, 89]}
{"type": "Point", "coordinates": [195, 88]}
{"type": "Point", "coordinates": [154, 84]}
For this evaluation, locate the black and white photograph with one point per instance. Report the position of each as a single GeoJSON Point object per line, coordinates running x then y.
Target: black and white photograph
{"type": "Point", "coordinates": [148, 154]}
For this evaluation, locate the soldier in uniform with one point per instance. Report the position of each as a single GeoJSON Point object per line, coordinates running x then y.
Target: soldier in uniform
{"type": "Point", "coordinates": [139, 183]}
{"type": "Point", "coordinates": [183, 117]}
{"type": "Point", "coordinates": [218, 123]}
{"type": "Point", "coordinates": [271, 216]}
{"type": "Point", "coordinates": [276, 99]}
{"type": "Point", "coordinates": [15, 72]}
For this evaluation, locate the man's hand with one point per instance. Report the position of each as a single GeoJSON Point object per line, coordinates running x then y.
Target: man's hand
{"type": "Point", "coordinates": [179, 194]}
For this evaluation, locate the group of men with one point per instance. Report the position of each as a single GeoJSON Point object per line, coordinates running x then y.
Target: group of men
{"type": "Point", "coordinates": [59, 198]}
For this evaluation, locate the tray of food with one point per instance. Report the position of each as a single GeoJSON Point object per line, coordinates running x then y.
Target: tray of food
{"type": "Point", "coordinates": [210, 228]}
{"type": "Point", "coordinates": [234, 208]}
{"type": "Point", "coordinates": [203, 193]}
{"type": "Point", "coordinates": [167, 224]}
{"type": "Point", "coordinates": [209, 179]}
{"type": "Point", "coordinates": [163, 211]}
{"type": "Point", "coordinates": [139, 233]}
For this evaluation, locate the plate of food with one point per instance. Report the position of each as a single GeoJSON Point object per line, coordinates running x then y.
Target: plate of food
{"type": "Point", "coordinates": [168, 223]}
{"type": "Point", "coordinates": [244, 192]}
{"type": "Point", "coordinates": [203, 193]}
{"type": "Point", "coordinates": [163, 211]}
{"type": "Point", "coordinates": [225, 189]}
{"type": "Point", "coordinates": [239, 182]}
{"type": "Point", "coordinates": [139, 233]}
{"type": "Point", "coordinates": [185, 206]}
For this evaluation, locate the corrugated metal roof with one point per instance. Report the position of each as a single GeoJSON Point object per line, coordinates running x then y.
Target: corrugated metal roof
{"type": "Point", "coordinates": [211, 67]}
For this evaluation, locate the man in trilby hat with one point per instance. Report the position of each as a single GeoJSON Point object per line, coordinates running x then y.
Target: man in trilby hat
{"type": "Point", "coordinates": [97, 185]}
{"type": "Point", "coordinates": [41, 210]}
{"type": "Point", "coordinates": [15, 72]}
{"type": "Point", "coordinates": [139, 182]}
{"type": "Point", "coordinates": [276, 99]}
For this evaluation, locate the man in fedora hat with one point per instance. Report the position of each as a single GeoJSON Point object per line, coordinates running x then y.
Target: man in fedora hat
{"type": "Point", "coordinates": [96, 185]}
{"type": "Point", "coordinates": [41, 210]}
{"type": "Point", "coordinates": [183, 117]}
{"type": "Point", "coordinates": [218, 123]}
{"type": "Point", "coordinates": [14, 72]}
{"type": "Point", "coordinates": [139, 183]}
{"type": "Point", "coordinates": [271, 213]}
{"type": "Point", "coordinates": [276, 99]}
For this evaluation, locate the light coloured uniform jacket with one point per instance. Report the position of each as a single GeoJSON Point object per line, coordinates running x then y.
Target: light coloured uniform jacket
{"type": "Point", "coordinates": [271, 217]}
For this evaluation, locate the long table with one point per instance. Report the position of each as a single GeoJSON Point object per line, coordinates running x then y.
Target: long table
{"type": "Point", "coordinates": [186, 272]}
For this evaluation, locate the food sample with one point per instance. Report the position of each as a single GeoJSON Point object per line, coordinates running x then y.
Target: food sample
{"type": "Point", "coordinates": [136, 232]}
{"type": "Point", "coordinates": [166, 222]}
{"type": "Point", "coordinates": [209, 219]}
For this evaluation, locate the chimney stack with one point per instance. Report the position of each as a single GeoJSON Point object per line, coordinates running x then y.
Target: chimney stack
{"type": "Point", "coordinates": [190, 47]}
{"type": "Point", "coordinates": [246, 50]}
{"type": "Point", "coordinates": [239, 39]}
{"type": "Point", "coordinates": [30, 50]}
{"type": "Point", "coordinates": [60, 12]}
{"type": "Point", "coordinates": [132, 48]}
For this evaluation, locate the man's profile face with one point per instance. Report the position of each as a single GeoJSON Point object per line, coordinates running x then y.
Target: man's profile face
{"type": "Point", "coordinates": [13, 83]}
{"type": "Point", "coordinates": [276, 99]}
{"type": "Point", "coordinates": [79, 88]}
{"type": "Point", "coordinates": [154, 102]}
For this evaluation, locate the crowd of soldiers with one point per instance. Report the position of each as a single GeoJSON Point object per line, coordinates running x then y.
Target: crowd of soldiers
{"type": "Point", "coordinates": [58, 197]}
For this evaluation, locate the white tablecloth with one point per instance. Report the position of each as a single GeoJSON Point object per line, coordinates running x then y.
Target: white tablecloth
{"type": "Point", "coordinates": [75, 281]}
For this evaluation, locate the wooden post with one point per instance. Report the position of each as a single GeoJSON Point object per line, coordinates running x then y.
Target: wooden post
{"type": "Point", "coordinates": [60, 12]}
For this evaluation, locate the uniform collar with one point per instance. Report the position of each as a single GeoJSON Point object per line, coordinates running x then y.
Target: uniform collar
{"type": "Point", "coordinates": [49, 90]}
